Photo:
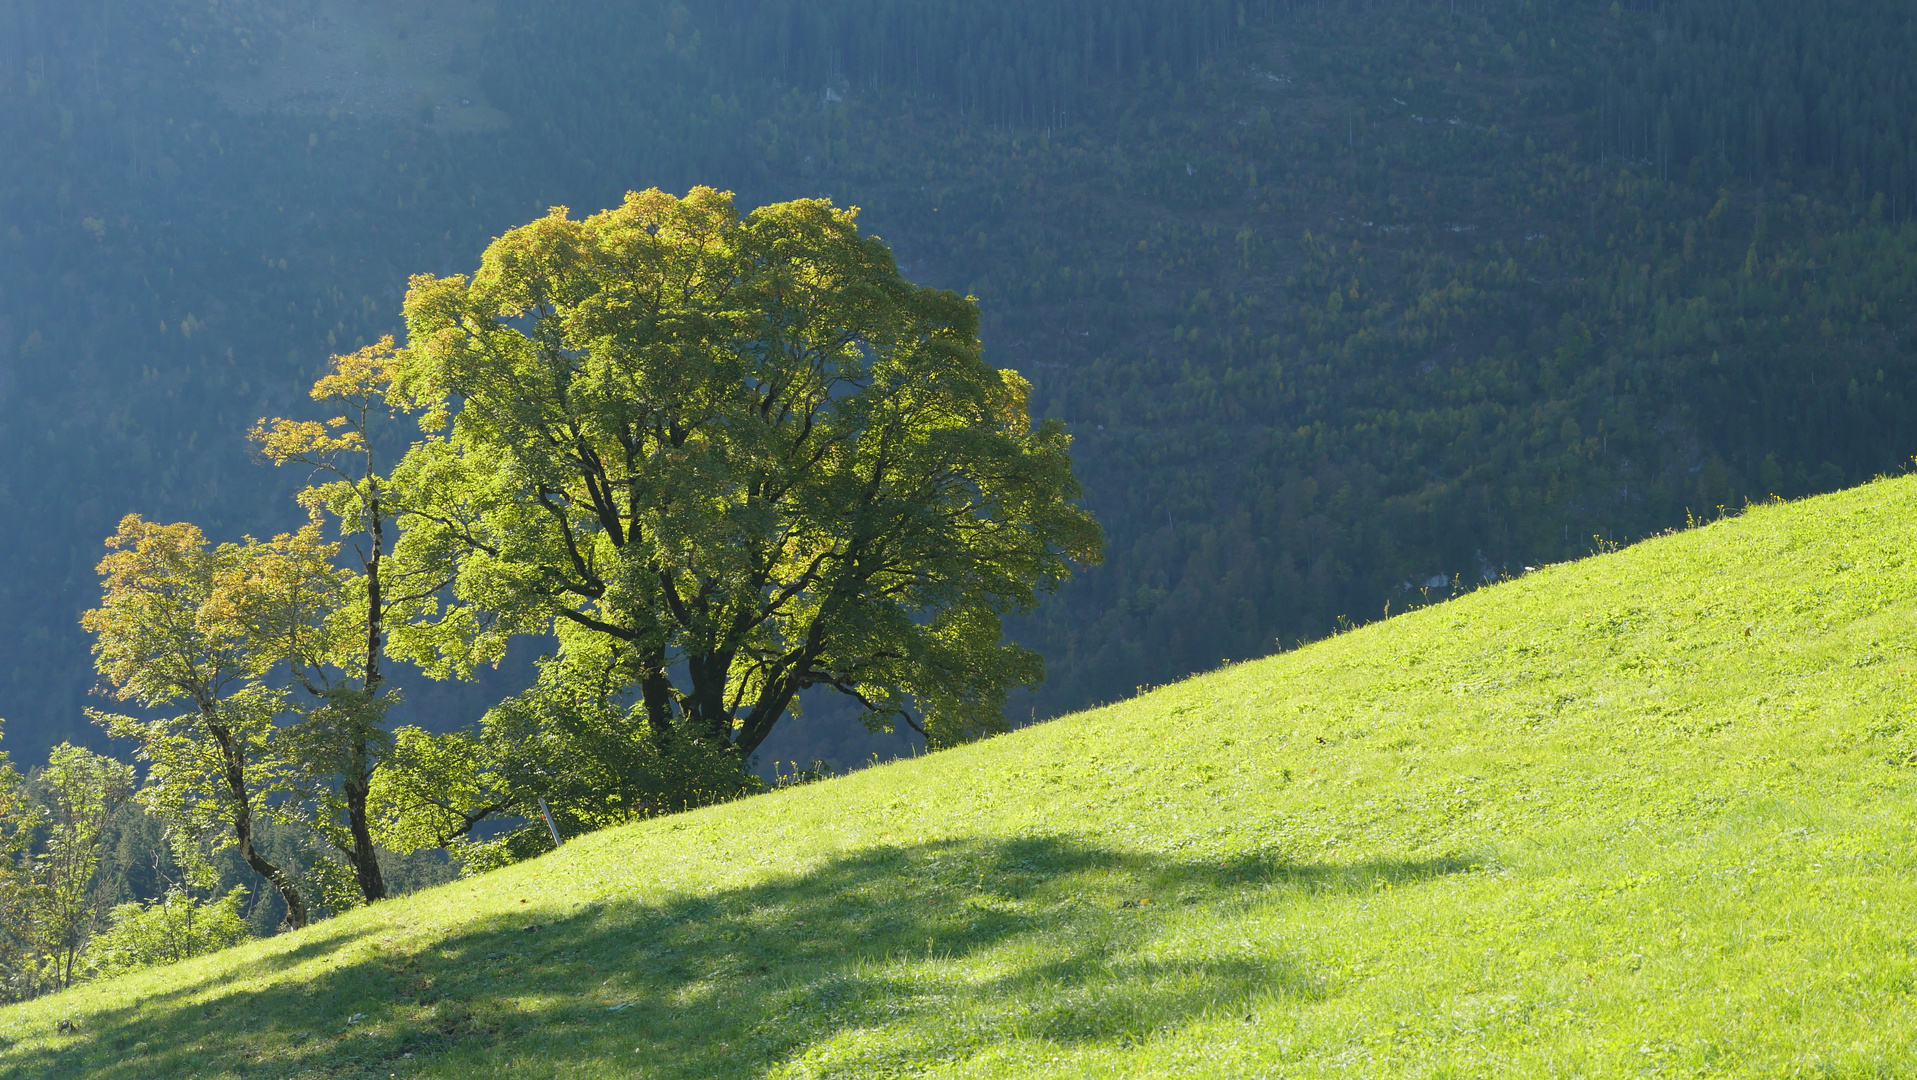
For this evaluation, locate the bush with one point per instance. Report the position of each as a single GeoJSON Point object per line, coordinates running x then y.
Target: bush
{"type": "Point", "coordinates": [172, 928]}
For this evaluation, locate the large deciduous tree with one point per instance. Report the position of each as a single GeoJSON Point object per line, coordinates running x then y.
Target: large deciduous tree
{"type": "Point", "coordinates": [727, 460]}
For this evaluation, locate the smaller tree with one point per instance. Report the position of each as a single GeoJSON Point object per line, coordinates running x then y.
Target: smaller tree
{"type": "Point", "coordinates": [184, 623]}
{"type": "Point", "coordinates": [19, 826]}
{"type": "Point", "coordinates": [343, 739]}
{"type": "Point", "coordinates": [81, 790]}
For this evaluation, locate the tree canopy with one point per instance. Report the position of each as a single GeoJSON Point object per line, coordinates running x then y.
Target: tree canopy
{"type": "Point", "coordinates": [727, 460]}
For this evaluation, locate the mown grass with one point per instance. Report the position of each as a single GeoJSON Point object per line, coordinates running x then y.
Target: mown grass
{"type": "Point", "coordinates": [1648, 814]}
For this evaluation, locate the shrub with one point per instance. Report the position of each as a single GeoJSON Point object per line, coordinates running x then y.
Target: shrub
{"type": "Point", "coordinates": [175, 927]}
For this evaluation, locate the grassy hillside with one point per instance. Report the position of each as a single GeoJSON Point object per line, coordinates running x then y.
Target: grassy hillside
{"type": "Point", "coordinates": [1645, 814]}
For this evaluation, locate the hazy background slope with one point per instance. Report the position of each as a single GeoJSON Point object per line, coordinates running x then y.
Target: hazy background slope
{"type": "Point", "coordinates": [1342, 300]}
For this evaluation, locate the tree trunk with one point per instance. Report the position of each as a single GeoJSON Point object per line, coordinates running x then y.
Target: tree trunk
{"type": "Point", "coordinates": [656, 690]}
{"type": "Point", "coordinates": [708, 674]}
{"type": "Point", "coordinates": [365, 860]}
{"type": "Point", "coordinates": [241, 809]}
{"type": "Point", "coordinates": [758, 722]}
{"type": "Point", "coordinates": [295, 907]}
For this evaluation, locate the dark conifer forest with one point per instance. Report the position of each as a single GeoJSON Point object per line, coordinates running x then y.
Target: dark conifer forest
{"type": "Point", "coordinates": [1348, 304]}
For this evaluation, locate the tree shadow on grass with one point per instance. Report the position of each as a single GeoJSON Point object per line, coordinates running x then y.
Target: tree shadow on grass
{"type": "Point", "coordinates": [872, 964]}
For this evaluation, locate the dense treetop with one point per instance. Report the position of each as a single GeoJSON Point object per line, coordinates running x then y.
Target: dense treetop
{"type": "Point", "coordinates": [744, 446]}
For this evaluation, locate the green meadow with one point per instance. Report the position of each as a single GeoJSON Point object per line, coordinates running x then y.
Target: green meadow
{"type": "Point", "coordinates": [1645, 814]}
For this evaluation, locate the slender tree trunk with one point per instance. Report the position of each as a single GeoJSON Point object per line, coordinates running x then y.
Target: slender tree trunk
{"type": "Point", "coordinates": [295, 907]}
{"type": "Point", "coordinates": [372, 883]}
{"type": "Point", "coordinates": [375, 616]}
{"type": "Point", "coordinates": [365, 859]}
{"type": "Point", "coordinates": [241, 809]}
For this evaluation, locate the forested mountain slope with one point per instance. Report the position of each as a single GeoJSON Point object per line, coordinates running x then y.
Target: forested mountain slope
{"type": "Point", "coordinates": [1646, 812]}
{"type": "Point", "coordinates": [1341, 300]}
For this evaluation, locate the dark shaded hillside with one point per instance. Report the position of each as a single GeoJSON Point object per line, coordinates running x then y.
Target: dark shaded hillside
{"type": "Point", "coordinates": [173, 271]}
{"type": "Point", "coordinates": [1340, 300]}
